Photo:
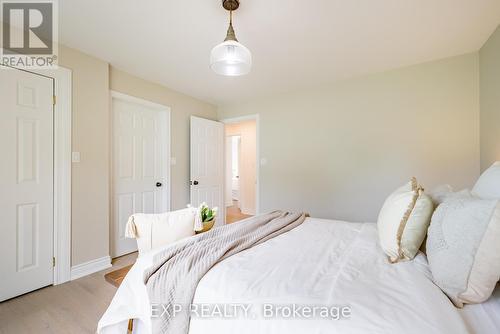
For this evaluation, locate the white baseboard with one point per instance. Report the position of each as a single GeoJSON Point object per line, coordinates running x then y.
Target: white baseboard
{"type": "Point", "coordinates": [90, 267]}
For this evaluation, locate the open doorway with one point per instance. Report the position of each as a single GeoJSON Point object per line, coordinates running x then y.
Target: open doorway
{"type": "Point", "coordinates": [241, 169]}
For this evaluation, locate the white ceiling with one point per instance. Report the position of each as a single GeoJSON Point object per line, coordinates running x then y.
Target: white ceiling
{"type": "Point", "coordinates": [295, 43]}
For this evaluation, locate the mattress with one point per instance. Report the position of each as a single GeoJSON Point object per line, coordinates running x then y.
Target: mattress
{"type": "Point", "coordinates": [324, 265]}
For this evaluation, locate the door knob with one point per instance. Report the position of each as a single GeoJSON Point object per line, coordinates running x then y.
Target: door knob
{"type": "Point", "coordinates": [195, 183]}
{"type": "Point", "coordinates": [158, 184]}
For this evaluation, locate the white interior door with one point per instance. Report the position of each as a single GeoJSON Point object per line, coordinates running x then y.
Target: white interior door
{"type": "Point", "coordinates": [140, 164]}
{"type": "Point", "coordinates": [228, 195]}
{"type": "Point", "coordinates": [207, 164]}
{"type": "Point", "coordinates": [26, 178]}
{"type": "Point", "coordinates": [236, 168]}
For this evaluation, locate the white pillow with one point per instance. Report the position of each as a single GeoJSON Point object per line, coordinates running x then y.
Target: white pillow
{"type": "Point", "coordinates": [488, 184]}
{"type": "Point", "coordinates": [403, 221]}
{"type": "Point", "coordinates": [463, 248]}
{"type": "Point", "coordinates": [156, 230]}
{"type": "Point", "coordinates": [440, 193]}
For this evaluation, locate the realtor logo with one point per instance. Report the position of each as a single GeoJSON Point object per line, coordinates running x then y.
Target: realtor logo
{"type": "Point", "coordinates": [29, 34]}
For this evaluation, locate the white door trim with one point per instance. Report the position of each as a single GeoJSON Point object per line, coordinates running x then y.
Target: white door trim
{"type": "Point", "coordinates": [62, 171]}
{"type": "Point", "coordinates": [256, 118]}
{"type": "Point", "coordinates": [153, 105]}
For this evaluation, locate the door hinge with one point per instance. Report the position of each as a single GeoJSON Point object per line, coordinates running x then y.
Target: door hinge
{"type": "Point", "coordinates": [54, 100]}
{"type": "Point", "coordinates": [53, 261]}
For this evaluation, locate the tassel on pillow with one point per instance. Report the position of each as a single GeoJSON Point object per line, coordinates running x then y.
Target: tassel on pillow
{"type": "Point", "coordinates": [131, 228]}
{"type": "Point", "coordinates": [403, 221]}
{"type": "Point", "coordinates": [198, 223]}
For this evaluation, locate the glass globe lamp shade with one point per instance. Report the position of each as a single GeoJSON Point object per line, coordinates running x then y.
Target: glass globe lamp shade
{"type": "Point", "coordinates": [231, 58]}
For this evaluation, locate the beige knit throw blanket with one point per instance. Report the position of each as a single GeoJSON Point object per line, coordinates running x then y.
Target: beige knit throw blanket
{"type": "Point", "coordinates": [172, 280]}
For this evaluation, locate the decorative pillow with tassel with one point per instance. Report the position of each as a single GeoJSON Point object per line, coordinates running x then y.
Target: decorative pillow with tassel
{"type": "Point", "coordinates": [403, 221]}
{"type": "Point", "coordinates": [157, 230]}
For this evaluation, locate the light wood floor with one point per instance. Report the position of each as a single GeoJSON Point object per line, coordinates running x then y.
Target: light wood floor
{"type": "Point", "coordinates": [70, 308]}
{"type": "Point", "coordinates": [233, 214]}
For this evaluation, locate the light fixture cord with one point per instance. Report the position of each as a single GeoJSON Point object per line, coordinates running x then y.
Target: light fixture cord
{"type": "Point", "coordinates": [231, 36]}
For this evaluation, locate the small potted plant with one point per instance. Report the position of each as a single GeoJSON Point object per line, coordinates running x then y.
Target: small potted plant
{"type": "Point", "coordinates": [207, 217]}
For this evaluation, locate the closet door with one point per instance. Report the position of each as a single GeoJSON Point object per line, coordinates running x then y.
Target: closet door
{"type": "Point", "coordinates": [26, 182]}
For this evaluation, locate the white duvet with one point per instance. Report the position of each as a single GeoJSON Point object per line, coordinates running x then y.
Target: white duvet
{"type": "Point", "coordinates": [322, 263]}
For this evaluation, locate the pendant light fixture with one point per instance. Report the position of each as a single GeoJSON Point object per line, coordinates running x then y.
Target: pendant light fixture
{"type": "Point", "coordinates": [231, 58]}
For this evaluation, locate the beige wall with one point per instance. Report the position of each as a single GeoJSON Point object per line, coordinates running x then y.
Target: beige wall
{"type": "Point", "coordinates": [248, 154]}
{"type": "Point", "coordinates": [490, 100]}
{"type": "Point", "coordinates": [92, 80]}
{"type": "Point", "coordinates": [182, 107]}
{"type": "Point", "coordinates": [338, 151]}
{"type": "Point", "coordinates": [90, 137]}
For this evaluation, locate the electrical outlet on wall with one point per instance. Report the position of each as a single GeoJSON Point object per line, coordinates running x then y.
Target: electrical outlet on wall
{"type": "Point", "coordinates": [75, 156]}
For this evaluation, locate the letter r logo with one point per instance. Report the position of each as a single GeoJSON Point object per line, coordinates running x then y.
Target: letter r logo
{"type": "Point", "coordinates": [28, 27]}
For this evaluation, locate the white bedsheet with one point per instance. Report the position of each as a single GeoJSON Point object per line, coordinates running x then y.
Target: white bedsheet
{"type": "Point", "coordinates": [485, 317]}
{"type": "Point", "coordinates": [320, 263]}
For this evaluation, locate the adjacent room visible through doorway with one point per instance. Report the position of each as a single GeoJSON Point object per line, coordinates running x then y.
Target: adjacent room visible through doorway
{"type": "Point", "coordinates": [241, 170]}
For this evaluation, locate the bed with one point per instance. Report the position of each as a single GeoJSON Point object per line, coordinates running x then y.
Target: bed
{"type": "Point", "coordinates": [321, 263]}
